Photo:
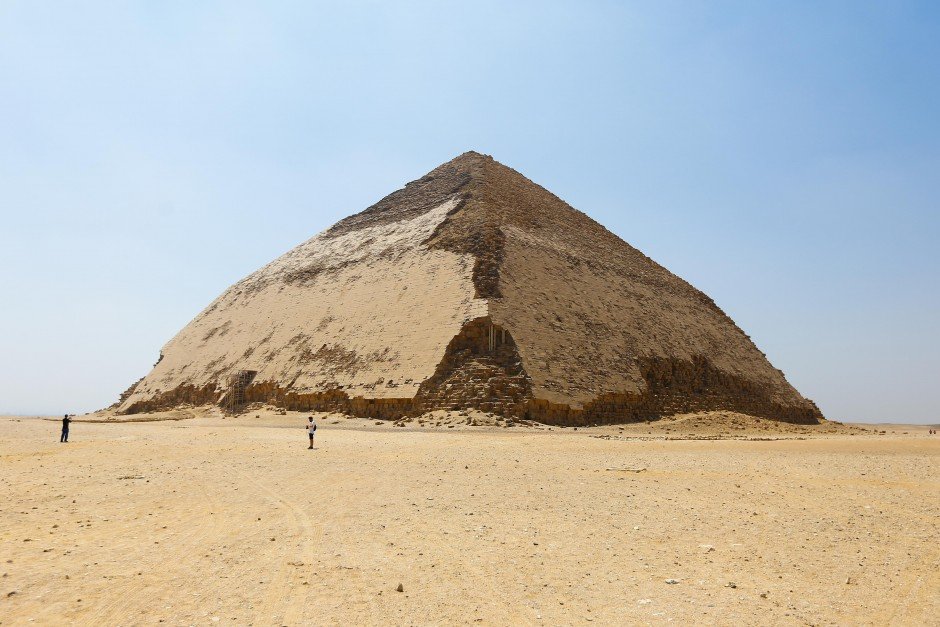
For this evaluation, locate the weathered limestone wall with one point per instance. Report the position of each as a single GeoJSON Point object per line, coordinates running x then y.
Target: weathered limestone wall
{"type": "Point", "coordinates": [388, 408]}
{"type": "Point", "coordinates": [600, 334]}
{"type": "Point", "coordinates": [368, 312]}
{"type": "Point", "coordinates": [481, 369]}
{"type": "Point", "coordinates": [184, 394]}
{"type": "Point", "coordinates": [672, 387]}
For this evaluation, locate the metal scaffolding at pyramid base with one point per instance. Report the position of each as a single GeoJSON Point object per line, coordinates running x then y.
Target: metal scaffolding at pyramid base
{"type": "Point", "coordinates": [238, 382]}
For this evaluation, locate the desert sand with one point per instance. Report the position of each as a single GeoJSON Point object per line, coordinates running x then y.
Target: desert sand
{"type": "Point", "coordinates": [718, 519]}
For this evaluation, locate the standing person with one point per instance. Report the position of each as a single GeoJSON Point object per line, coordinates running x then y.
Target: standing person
{"type": "Point", "coordinates": [311, 430]}
{"type": "Point", "coordinates": [65, 428]}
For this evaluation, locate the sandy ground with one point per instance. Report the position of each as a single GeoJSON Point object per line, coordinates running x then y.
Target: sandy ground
{"type": "Point", "coordinates": [207, 520]}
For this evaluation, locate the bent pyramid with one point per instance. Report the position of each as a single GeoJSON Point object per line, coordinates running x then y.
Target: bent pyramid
{"type": "Point", "coordinates": [470, 287]}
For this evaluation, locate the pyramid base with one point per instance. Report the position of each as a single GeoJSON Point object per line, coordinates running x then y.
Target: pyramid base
{"type": "Point", "coordinates": [611, 408]}
{"type": "Point", "coordinates": [481, 369]}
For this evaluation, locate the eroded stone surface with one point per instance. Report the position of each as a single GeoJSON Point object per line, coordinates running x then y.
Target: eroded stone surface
{"type": "Point", "coordinates": [393, 312]}
{"type": "Point", "coordinates": [368, 313]}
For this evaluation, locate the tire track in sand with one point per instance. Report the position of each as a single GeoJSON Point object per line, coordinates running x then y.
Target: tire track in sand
{"type": "Point", "coordinates": [276, 600]}
{"type": "Point", "coordinates": [132, 594]}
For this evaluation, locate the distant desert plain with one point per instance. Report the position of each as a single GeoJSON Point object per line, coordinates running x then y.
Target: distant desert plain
{"type": "Point", "coordinates": [191, 517]}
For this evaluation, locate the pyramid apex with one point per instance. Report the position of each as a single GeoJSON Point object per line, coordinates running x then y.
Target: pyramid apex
{"type": "Point", "coordinates": [472, 154]}
{"type": "Point", "coordinates": [467, 159]}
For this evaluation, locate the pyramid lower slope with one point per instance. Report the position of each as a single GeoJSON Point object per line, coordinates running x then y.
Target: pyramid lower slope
{"type": "Point", "coordinates": [367, 313]}
{"type": "Point", "coordinates": [470, 287]}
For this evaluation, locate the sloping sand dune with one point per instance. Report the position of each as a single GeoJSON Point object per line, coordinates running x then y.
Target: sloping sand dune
{"type": "Point", "coordinates": [233, 521]}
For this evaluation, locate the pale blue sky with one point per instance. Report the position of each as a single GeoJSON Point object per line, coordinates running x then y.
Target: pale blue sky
{"type": "Point", "coordinates": [784, 157]}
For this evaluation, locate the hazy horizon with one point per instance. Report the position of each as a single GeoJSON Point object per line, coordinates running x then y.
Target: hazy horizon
{"type": "Point", "coordinates": [782, 159]}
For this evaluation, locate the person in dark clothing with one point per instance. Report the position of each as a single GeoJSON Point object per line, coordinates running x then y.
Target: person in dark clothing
{"type": "Point", "coordinates": [65, 428]}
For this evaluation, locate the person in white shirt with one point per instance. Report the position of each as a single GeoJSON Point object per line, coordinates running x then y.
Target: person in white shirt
{"type": "Point", "coordinates": [311, 431]}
